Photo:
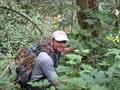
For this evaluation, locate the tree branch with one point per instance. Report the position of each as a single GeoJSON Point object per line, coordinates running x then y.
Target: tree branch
{"type": "Point", "coordinates": [6, 69]}
{"type": "Point", "coordinates": [22, 16]}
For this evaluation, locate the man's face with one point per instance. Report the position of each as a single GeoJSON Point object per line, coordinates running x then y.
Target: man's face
{"type": "Point", "coordinates": [59, 45]}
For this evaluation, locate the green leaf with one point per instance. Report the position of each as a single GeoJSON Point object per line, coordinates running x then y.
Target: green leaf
{"type": "Point", "coordinates": [77, 83]}
{"type": "Point", "coordinates": [93, 43]}
{"type": "Point", "coordinates": [74, 57]}
{"type": "Point", "coordinates": [74, 43]}
{"type": "Point", "coordinates": [110, 71]}
{"type": "Point", "coordinates": [52, 88]}
{"type": "Point", "coordinates": [101, 78]}
{"type": "Point", "coordinates": [63, 69]}
{"type": "Point", "coordinates": [117, 57]}
{"type": "Point", "coordinates": [89, 79]}
{"type": "Point", "coordinates": [103, 63]}
{"type": "Point", "coordinates": [116, 64]}
{"type": "Point", "coordinates": [90, 21]}
{"type": "Point", "coordinates": [85, 51]}
{"type": "Point", "coordinates": [97, 87]}
{"type": "Point", "coordinates": [113, 51]}
{"type": "Point", "coordinates": [34, 84]}
{"type": "Point", "coordinates": [94, 72]}
{"type": "Point", "coordinates": [87, 67]}
{"type": "Point", "coordinates": [71, 62]}
{"type": "Point", "coordinates": [77, 51]}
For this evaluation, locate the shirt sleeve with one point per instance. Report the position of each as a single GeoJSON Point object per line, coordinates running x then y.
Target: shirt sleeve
{"type": "Point", "coordinates": [47, 66]}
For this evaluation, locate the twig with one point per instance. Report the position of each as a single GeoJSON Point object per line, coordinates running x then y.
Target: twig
{"type": "Point", "coordinates": [22, 16]}
{"type": "Point", "coordinates": [12, 64]}
{"type": "Point", "coordinates": [6, 69]}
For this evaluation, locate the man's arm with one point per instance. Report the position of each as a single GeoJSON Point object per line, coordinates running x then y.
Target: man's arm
{"type": "Point", "coordinates": [47, 66]}
{"type": "Point", "coordinates": [68, 50]}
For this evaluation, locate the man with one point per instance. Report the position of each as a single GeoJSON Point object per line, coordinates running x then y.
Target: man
{"type": "Point", "coordinates": [45, 67]}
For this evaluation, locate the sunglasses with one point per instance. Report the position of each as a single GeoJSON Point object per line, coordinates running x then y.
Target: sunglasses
{"type": "Point", "coordinates": [61, 42]}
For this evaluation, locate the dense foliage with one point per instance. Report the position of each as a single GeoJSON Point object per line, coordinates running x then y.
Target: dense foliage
{"type": "Point", "coordinates": [94, 65]}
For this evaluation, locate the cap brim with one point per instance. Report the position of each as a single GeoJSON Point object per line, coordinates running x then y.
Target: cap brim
{"type": "Point", "coordinates": [63, 38]}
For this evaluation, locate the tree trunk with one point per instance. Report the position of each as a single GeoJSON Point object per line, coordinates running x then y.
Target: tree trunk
{"type": "Point", "coordinates": [81, 15]}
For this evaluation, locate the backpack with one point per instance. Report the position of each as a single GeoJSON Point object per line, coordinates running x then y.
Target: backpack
{"type": "Point", "coordinates": [26, 61]}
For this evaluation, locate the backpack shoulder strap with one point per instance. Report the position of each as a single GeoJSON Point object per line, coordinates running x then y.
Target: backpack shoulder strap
{"type": "Point", "coordinates": [44, 48]}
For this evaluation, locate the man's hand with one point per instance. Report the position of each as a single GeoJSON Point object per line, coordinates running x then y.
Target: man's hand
{"type": "Point", "coordinates": [68, 50]}
{"type": "Point", "coordinates": [57, 83]}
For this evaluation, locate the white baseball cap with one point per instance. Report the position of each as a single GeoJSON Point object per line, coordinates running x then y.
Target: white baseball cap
{"type": "Point", "coordinates": [60, 35]}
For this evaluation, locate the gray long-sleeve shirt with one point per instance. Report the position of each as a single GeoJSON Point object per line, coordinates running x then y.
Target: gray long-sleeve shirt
{"type": "Point", "coordinates": [44, 66]}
